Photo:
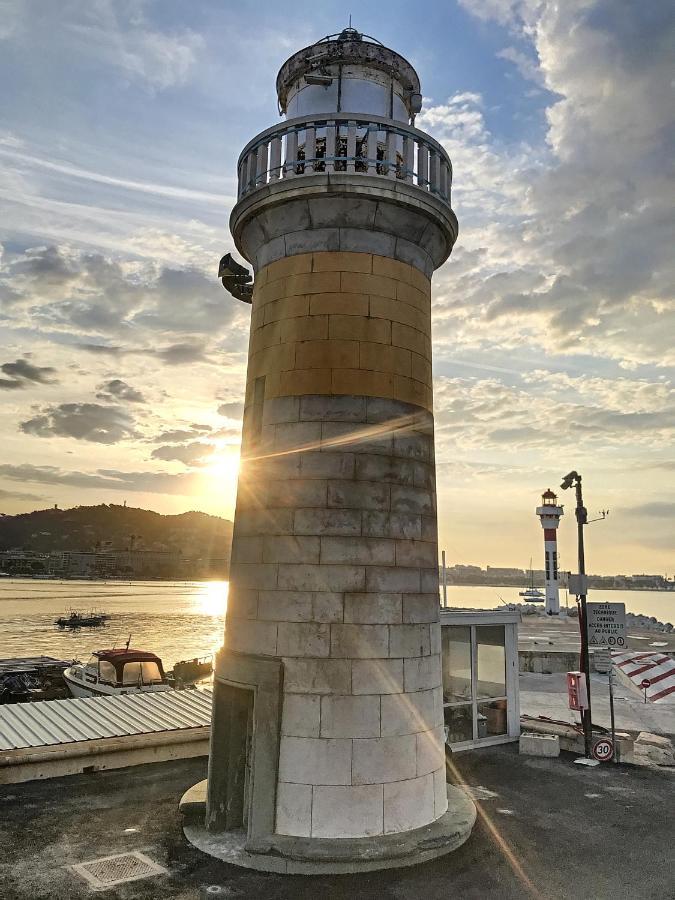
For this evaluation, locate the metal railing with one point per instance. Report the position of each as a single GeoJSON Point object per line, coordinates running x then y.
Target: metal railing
{"type": "Point", "coordinates": [367, 145]}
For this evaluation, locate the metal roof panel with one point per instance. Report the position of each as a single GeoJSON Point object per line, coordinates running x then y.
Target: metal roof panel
{"type": "Point", "coordinates": [52, 722]}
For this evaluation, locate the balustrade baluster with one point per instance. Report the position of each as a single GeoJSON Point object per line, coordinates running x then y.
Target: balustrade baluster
{"type": "Point", "coordinates": [351, 146]}
{"type": "Point", "coordinates": [250, 169]}
{"type": "Point", "coordinates": [444, 179]}
{"type": "Point", "coordinates": [390, 170]}
{"type": "Point", "coordinates": [310, 148]}
{"type": "Point", "coordinates": [261, 165]}
{"type": "Point", "coordinates": [423, 165]}
{"type": "Point", "coordinates": [371, 148]}
{"type": "Point", "coordinates": [330, 146]}
{"type": "Point", "coordinates": [291, 153]}
{"type": "Point", "coordinates": [408, 158]}
{"type": "Point", "coordinates": [434, 172]}
{"type": "Point", "coordinates": [275, 158]}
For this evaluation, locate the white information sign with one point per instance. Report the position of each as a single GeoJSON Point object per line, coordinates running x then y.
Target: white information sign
{"type": "Point", "coordinates": [606, 625]}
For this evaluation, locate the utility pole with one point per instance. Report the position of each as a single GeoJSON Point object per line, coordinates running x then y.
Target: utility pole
{"type": "Point", "coordinates": [582, 518]}
{"type": "Point", "coordinates": [444, 581]}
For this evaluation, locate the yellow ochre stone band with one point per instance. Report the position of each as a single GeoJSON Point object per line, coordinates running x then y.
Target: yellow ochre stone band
{"type": "Point", "coordinates": [341, 323]}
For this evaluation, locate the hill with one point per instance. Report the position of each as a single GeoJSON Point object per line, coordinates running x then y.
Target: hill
{"type": "Point", "coordinates": [114, 527]}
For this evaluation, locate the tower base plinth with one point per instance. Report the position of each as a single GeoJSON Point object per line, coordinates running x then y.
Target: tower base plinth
{"type": "Point", "coordinates": [339, 856]}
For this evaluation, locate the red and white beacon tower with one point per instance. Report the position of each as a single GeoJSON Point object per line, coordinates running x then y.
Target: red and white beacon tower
{"type": "Point", "coordinates": [549, 514]}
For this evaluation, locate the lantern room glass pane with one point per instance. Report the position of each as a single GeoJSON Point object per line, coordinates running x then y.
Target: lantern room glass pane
{"type": "Point", "coordinates": [456, 656]}
{"type": "Point", "coordinates": [491, 661]}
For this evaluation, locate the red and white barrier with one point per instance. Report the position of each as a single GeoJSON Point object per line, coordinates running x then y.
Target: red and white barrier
{"type": "Point", "coordinates": [657, 668]}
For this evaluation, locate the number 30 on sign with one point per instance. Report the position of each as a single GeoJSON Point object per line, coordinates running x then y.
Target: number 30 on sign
{"type": "Point", "coordinates": [603, 749]}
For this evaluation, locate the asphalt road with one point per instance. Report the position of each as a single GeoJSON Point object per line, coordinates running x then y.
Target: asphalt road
{"type": "Point", "coordinates": [546, 829]}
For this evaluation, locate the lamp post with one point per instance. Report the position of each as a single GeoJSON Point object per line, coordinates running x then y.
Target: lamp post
{"type": "Point", "coordinates": [574, 479]}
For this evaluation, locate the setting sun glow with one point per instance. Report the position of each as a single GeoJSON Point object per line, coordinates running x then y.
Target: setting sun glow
{"type": "Point", "coordinates": [212, 599]}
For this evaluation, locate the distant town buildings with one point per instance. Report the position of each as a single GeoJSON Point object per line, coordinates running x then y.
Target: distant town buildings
{"type": "Point", "coordinates": [109, 563]}
{"type": "Point", "coordinates": [503, 576]}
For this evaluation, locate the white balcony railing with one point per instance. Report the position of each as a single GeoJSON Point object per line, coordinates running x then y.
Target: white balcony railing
{"type": "Point", "coordinates": [366, 145]}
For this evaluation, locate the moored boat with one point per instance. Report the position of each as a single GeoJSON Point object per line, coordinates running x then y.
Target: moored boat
{"type": "Point", "coordinates": [531, 593]}
{"type": "Point", "coordinates": [82, 620]}
{"type": "Point", "coordinates": [110, 673]}
{"type": "Point", "coordinates": [188, 671]}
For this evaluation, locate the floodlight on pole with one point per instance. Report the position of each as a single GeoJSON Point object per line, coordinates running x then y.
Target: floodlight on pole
{"type": "Point", "coordinates": [573, 479]}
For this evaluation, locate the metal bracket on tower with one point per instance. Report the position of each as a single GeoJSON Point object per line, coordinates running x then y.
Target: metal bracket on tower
{"type": "Point", "coordinates": [237, 279]}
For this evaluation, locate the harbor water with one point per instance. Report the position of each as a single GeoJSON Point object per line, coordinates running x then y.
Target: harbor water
{"type": "Point", "coordinates": [181, 620]}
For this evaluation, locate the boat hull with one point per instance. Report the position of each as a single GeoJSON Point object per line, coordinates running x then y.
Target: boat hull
{"type": "Point", "coordinates": [81, 688]}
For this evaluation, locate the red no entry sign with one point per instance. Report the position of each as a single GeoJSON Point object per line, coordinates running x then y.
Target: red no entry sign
{"type": "Point", "coordinates": [645, 683]}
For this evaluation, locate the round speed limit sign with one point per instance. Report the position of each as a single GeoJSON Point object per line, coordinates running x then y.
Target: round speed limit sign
{"type": "Point", "coordinates": [603, 749]}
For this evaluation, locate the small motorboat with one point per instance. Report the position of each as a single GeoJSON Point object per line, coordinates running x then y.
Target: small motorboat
{"type": "Point", "coordinates": [82, 620]}
{"type": "Point", "coordinates": [111, 673]}
{"type": "Point", "coordinates": [187, 671]}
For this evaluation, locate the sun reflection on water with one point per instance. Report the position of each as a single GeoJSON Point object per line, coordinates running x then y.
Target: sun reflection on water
{"type": "Point", "coordinates": [212, 599]}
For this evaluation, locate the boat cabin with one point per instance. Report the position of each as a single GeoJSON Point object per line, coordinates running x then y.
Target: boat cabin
{"type": "Point", "coordinates": [125, 668]}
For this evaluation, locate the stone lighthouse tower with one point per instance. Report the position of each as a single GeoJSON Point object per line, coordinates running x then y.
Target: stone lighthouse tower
{"type": "Point", "coordinates": [327, 747]}
{"type": "Point", "coordinates": [549, 515]}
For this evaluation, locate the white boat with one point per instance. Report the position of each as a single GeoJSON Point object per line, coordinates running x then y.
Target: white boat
{"type": "Point", "coordinates": [534, 595]}
{"type": "Point", "coordinates": [111, 673]}
{"type": "Point", "coordinates": [531, 593]}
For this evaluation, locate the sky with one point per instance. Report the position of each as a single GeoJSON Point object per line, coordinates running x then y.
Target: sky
{"type": "Point", "coordinates": [122, 359]}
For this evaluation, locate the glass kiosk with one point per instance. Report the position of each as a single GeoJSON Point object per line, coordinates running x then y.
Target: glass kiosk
{"type": "Point", "coordinates": [480, 677]}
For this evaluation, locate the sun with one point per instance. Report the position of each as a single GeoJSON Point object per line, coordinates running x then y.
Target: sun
{"type": "Point", "coordinates": [224, 465]}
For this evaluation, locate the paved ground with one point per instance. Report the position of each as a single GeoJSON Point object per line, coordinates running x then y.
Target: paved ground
{"type": "Point", "coordinates": [550, 633]}
{"type": "Point", "coordinates": [546, 695]}
{"type": "Point", "coordinates": [547, 829]}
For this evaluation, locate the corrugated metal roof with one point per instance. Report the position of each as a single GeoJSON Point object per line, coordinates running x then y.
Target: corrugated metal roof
{"type": "Point", "coordinates": [51, 722]}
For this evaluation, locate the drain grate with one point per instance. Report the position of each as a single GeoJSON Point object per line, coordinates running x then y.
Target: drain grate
{"type": "Point", "coordinates": [109, 871]}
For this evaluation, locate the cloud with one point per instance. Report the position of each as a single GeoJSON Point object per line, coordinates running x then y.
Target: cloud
{"type": "Point", "coordinates": [182, 354]}
{"type": "Point", "coordinates": [104, 479]}
{"type": "Point", "coordinates": [22, 373]}
{"type": "Point", "coordinates": [231, 410]}
{"type": "Point", "coordinates": [658, 509]}
{"type": "Point", "coordinates": [526, 65]}
{"type": "Point", "coordinates": [116, 389]}
{"type": "Point", "coordinates": [568, 244]}
{"type": "Point", "coordinates": [196, 453]}
{"type": "Point", "coordinates": [82, 421]}
{"type": "Point", "coordinates": [118, 34]}
{"type": "Point", "coordinates": [18, 495]}
{"type": "Point", "coordinates": [89, 294]}
{"type": "Point", "coordinates": [550, 411]}
{"type": "Point", "coordinates": [181, 435]}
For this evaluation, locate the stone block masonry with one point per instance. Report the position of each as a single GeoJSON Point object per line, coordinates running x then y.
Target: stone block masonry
{"type": "Point", "coordinates": [334, 571]}
{"type": "Point", "coordinates": [338, 323]}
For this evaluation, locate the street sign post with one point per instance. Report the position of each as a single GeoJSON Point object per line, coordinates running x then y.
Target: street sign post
{"type": "Point", "coordinates": [606, 624]}
{"type": "Point", "coordinates": [644, 684]}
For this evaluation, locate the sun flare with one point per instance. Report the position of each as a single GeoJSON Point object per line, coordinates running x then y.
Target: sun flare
{"type": "Point", "coordinates": [225, 465]}
{"type": "Point", "coordinates": [212, 599]}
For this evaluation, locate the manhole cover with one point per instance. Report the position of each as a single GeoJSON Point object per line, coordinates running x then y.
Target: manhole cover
{"type": "Point", "coordinates": [109, 871]}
